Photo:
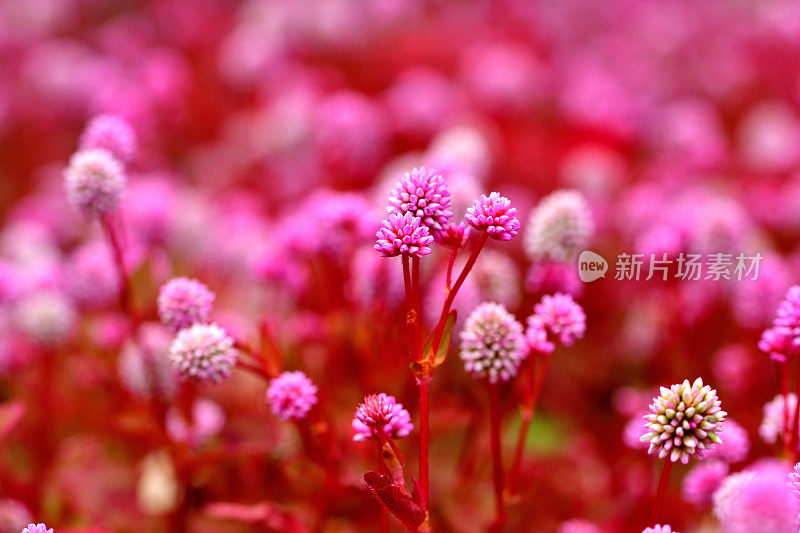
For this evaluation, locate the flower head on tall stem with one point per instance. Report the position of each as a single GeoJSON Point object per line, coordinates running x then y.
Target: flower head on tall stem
{"type": "Point", "coordinates": [203, 353]}
{"type": "Point", "coordinates": [494, 215]}
{"type": "Point", "coordinates": [559, 227]}
{"type": "Point", "coordinates": [112, 133]}
{"type": "Point", "coordinates": [381, 412]}
{"type": "Point", "coordinates": [94, 181]}
{"type": "Point", "coordinates": [684, 420]}
{"type": "Point", "coordinates": [423, 193]}
{"type": "Point", "coordinates": [403, 234]}
{"type": "Point", "coordinates": [183, 302]}
{"type": "Point", "coordinates": [492, 343]}
{"type": "Point", "coordinates": [291, 395]}
{"type": "Point", "coordinates": [562, 316]}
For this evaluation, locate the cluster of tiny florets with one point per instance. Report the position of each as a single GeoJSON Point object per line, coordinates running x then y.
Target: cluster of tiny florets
{"type": "Point", "coordinates": [492, 343]}
{"type": "Point", "coordinates": [111, 133]}
{"type": "Point", "coordinates": [94, 181]}
{"type": "Point", "coordinates": [381, 412]}
{"type": "Point", "coordinates": [183, 302]}
{"type": "Point", "coordinates": [37, 528]}
{"type": "Point", "coordinates": [423, 193]}
{"type": "Point", "coordinates": [494, 215]}
{"type": "Point", "coordinates": [684, 420]}
{"type": "Point", "coordinates": [403, 234]}
{"type": "Point", "coordinates": [658, 528]}
{"type": "Point", "coordinates": [454, 235]}
{"type": "Point", "coordinates": [559, 228]}
{"type": "Point", "coordinates": [562, 316]}
{"type": "Point", "coordinates": [291, 395]}
{"type": "Point", "coordinates": [203, 353]}
{"type": "Point", "coordinates": [783, 338]}
{"type": "Point", "coordinates": [536, 336]}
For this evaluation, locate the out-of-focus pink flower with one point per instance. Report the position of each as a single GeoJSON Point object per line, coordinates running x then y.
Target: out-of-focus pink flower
{"type": "Point", "coordinates": [577, 525]}
{"type": "Point", "coordinates": [777, 342]}
{"type": "Point", "coordinates": [559, 227]}
{"type": "Point", "coordinates": [403, 234]}
{"type": "Point", "coordinates": [659, 529]}
{"type": "Point", "coordinates": [37, 528]}
{"type": "Point", "coordinates": [183, 302]}
{"type": "Point", "coordinates": [94, 182]}
{"type": "Point", "coordinates": [702, 481]}
{"type": "Point", "coordinates": [111, 133]}
{"type": "Point", "coordinates": [46, 316]}
{"type": "Point", "coordinates": [536, 336]}
{"type": "Point", "coordinates": [772, 423]}
{"type": "Point", "coordinates": [144, 365]}
{"type": "Point", "coordinates": [93, 279]}
{"type": "Point", "coordinates": [203, 353]}
{"type": "Point", "coordinates": [563, 316]}
{"type": "Point", "coordinates": [422, 102]}
{"type": "Point", "coordinates": [381, 412]}
{"type": "Point", "coordinates": [454, 235]}
{"type": "Point", "coordinates": [769, 137]}
{"type": "Point", "coordinates": [492, 343]}
{"type": "Point", "coordinates": [734, 447]}
{"type": "Point", "coordinates": [549, 277]}
{"type": "Point", "coordinates": [632, 433]}
{"type": "Point", "coordinates": [788, 315]}
{"type": "Point", "coordinates": [291, 395]}
{"type": "Point", "coordinates": [208, 418]}
{"type": "Point", "coordinates": [494, 215]}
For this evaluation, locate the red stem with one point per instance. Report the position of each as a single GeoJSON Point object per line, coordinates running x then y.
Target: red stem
{"type": "Point", "coordinates": [662, 490]}
{"type": "Point", "coordinates": [384, 512]}
{"type": "Point", "coordinates": [424, 436]}
{"type": "Point", "coordinates": [119, 261]}
{"type": "Point", "coordinates": [498, 477]}
{"type": "Point", "coordinates": [450, 264]}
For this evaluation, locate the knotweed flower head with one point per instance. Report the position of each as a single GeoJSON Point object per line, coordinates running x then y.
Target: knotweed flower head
{"type": "Point", "coordinates": [37, 528]}
{"type": "Point", "coordinates": [203, 352]}
{"type": "Point", "coordinates": [776, 342]}
{"type": "Point", "coordinates": [562, 316]}
{"type": "Point", "coordinates": [111, 133]}
{"type": "Point", "coordinates": [788, 315]}
{"type": "Point", "coordinates": [423, 193]}
{"type": "Point", "coordinates": [183, 302]}
{"type": "Point", "coordinates": [494, 215]}
{"type": "Point", "coordinates": [536, 336]}
{"type": "Point", "coordinates": [46, 316]}
{"type": "Point", "coordinates": [403, 234]}
{"type": "Point", "coordinates": [684, 420]}
{"type": "Point", "coordinates": [492, 343]}
{"type": "Point", "coordinates": [772, 424]}
{"type": "Point", "coordinates": [757, 500]}
{"type": "Point", "coordinates": [94, 182]}
{"type": "Point", "coordinates": [381, 412]}
{"type": "Point", "coordinates": [702, 481]}
{"type": "Point", "coordinates": [734, 448]}
{"type": "Point", "coordinates": [559, 227]}
{"type": "Point", "coordinates": [291, 395]}
{"type": "Point", "coordinates": [13, 516]}
{"type": "Point", "coordinates": [658, 528]}
{"type": "Point", "coordinates": [92, 278]}
{"type": "Point", "coordinates": [454, 235]}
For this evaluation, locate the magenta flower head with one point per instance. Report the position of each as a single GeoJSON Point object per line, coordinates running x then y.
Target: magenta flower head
{"type": "Point", "coordinates": [494, 215]}
{"type": "Point", "coordinates": [684, 420]}
{"type": "Point", "coordinates": [111, 133]}
{"type": "Point", "coordinates": [492, 343]}
{"type": "Point", "coordinates": [381, 412]}
{"type": "Point", "coordinates": [454, 235]}
{"type": "Point", "coordinates": [536, 336]}
{"type": "Point", "coordinates": [94, 182]}
{"type": "Point", "coordinates": [37, 528]}
{"type": "Point", "coordinates": [788, 315]}
{"type": "Point", "coordinates": [291, 395]}
{"type": "Point", "coordinates": [559, 228]}
{"type": "Point", "coordinates": [183, 302]}
{"type": "Point", "coordinates": [563, 316]}
{"type": "Point", "coordinates": [203, 353]}
{"type": "Point", "coordinates": [702, 482]}
{"type": "Point", "coordinates": [658, 528]}
{"type": "Point", "coordinates": [776, 342]}
{"type": "Point", "coordinates": [423, 193]}
{"type": "Point", "coordinates": [734, 448]}
{"type": "Point", "coordinates": [772, 424]}
{"type": "Point", "coordinates": [794, 480]}
{"type": "Point", "coordinates": [403, 234]}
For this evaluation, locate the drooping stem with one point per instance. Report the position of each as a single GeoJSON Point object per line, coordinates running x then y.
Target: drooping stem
{"type": "Point", "coordinates": [119, 262]}
{"type": "Point", "coordinates": [448, 303]}
{"type": "Point", "coordinates": [498, 476]}
{"type": "Point", "coordinates": [661, 491]}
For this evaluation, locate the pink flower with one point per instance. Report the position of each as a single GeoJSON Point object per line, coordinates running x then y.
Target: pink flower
{"type": "Point", "coordinates": [291, 395]}
{"type": "Point", "coordinates": [403, 234]}
{"type": "Point", "coordinates": [494, 215]}
{"type": "Point", "coordinates": [659, 529]}
{"type": "Point", "coordinates": [423, 193]}
{"type": "Point", "coordinates": [492, 343]}
{"type": "Point", "coordinates": [562, 316]}
{"type": "Point", "coordinates": [536, 336]}
{"type": "Point", "coordinates": [381, 412]}
{"type": "Point", "coordinates": [94, 182]}
{"type": "Point", "coordinates": [702, 481]}
{"type": "Point", "coordinates": [111, 133]}
{"type": "Point", "coordinates": [183, 302]}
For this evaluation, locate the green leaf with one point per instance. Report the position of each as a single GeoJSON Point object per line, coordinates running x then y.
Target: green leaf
{"type": "Point", "coordinates": [447, 334]}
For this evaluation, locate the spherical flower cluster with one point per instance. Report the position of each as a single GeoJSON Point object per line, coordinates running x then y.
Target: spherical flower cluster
{"type": "Point", "coordinates": [46, 316]}
{"type": "Point", "coordinates": [13, 516]}
{"type": "Point", "coordinates": [562, 316]}
{"type": "Point", "coordinates": [492, 343]}
{"type": "Point", "coordinates": [37, 528]}
{"type": "Point", "coordinates": [684, 420]}
{"type": "Point", "coordinates": [559, 228]}
{"type": "Point", "coordinates": [381, 412]}
{"type": "Point", "coordinates": [772, 424]}
{"type": "Point", "coordinates": [454, 235]}
{"type": "Point", "coordinates": [734, 448]}
{"type": "Point", "coordinates": [776, 342]}
{"type": "Point", "coordinates": [494, 215]}
{"type": "Point", "coordinates": [203, 352]}
{"type": "Point", "coordinates": [757, 500]}
{"type": "Point", "coordinates": [788, 314]}
{"type": "Point", "coordinates": [183, 302]}
{"type": "Point", "coordinates": [423, 193]}
{"type": "Point", "coordinates": [291, 395]}
{"type": "Point", "coordinates": [94, 182]}
{"type": "Point", "coordinates": [702, 481]}
{"type": "Point", "coordinates": [403, 234]}
{"type": "Point", "coordinates": [92, 279]}
{"type": "Point", "coordinates": [111, 133]}
{"type": "Point", "coordinates": [536, 336]}
{"type": "Point", "coordinates": [658, 528]}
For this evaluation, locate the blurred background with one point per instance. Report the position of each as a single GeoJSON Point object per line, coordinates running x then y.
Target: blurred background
{"type": "Point", "coordinates": [269, 134]}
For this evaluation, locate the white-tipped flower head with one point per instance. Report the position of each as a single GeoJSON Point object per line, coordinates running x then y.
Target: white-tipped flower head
{"type": "Point", "coordinates": [203, 352]}
{"type": "Point", "coordinates": [684, 420]}
{"type": "Point", "coordinates": [559, 227]}
{"type": "Point", "coordinates": [94, 181]}
{"type": "Point", "coordinates": [492, 343]}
